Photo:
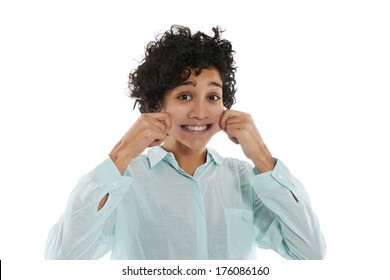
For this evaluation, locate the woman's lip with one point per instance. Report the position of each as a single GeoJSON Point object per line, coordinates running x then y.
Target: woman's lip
{"type": "Point", "coordinates": [196, 128]}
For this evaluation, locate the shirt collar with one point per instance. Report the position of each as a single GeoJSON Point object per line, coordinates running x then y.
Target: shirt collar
{"type": "Point", "coordinates": [157, 154]}
{"type": "Point", "coordinates": [213, 155]}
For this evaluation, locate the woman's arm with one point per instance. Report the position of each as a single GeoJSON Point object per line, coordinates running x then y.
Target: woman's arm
{"type": "Point", "coordinates": [85, 230]}
{"type": "Point", "coordinates": [283, 216]}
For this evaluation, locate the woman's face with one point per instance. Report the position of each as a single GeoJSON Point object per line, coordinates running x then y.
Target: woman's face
{"type": "Point", "coordinates": [195, 108]}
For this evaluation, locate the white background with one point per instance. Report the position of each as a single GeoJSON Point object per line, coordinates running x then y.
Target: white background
{"type": "Point", "coordinates": [313, 74]}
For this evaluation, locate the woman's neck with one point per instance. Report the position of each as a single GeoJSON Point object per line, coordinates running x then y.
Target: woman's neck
{"type": "Point", "coordinates": [188, 159]}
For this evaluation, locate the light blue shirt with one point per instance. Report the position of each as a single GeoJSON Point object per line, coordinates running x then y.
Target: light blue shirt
{"type": "Point", "coordinates": [158, 211]}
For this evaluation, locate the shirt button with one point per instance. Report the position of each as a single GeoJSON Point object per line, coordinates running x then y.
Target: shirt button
{"type": "Point", "coordinates": [114, 183]}
{"type": "Point", "coordinates": [280, 177]}
{"type": "Point", "coordinates": [246, 216]}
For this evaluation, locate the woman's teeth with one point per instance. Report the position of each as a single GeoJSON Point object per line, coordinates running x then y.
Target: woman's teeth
{"type": "Point", "coordinates": [195, 128]}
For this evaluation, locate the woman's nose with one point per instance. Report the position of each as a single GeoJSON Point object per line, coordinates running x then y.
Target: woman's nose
{"type": "Point", "coordinates": [199, 110]}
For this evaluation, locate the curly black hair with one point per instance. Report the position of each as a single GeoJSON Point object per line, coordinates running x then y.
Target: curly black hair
{"type": "Point", "coordinates": [168, 62]}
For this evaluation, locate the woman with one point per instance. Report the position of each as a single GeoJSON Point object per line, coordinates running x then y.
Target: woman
{"type": "Point", "coordinates": [179, 199]}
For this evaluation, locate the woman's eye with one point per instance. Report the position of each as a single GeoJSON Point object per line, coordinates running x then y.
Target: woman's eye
{"type": "Point", "coordinates": [184, 97]}
{"type": "Point", "coordinates": [214, 97]}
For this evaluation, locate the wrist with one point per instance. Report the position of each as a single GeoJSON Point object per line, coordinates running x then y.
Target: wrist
{"type": "Point", "coordinates": [121, 160]}
{"type": "Point", "coordinates": [263, 160]}
{"type": "Point", "coordinates": [264, 165]}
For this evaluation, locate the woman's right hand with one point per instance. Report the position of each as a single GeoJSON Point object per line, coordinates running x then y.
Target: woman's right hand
{"type": "Point", "coordinates": [148, 131]}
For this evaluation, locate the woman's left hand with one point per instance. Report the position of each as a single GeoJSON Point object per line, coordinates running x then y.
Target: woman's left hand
{"type": "Point", "coordinates": [241, 129]}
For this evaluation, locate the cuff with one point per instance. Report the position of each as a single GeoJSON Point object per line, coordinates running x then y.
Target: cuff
{"type": "Point", "coordinates": [279, 177]}
{"type": "Point", "coordinates": [109, 179]}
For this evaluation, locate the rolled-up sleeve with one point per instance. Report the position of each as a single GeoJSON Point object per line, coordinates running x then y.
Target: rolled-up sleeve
{"type": "Point", "coordinates": [83, 232]}
{"type": "Point", "coordinates": [283, 216]}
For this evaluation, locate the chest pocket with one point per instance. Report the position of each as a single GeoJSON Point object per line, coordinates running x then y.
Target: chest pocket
{"type": "Point", "coordinates": [240, 234]}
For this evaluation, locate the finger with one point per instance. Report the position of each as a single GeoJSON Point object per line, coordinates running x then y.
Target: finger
{"type": "Point", "coordinates": [232, 123]}
{"type": "Point", "coordinates": [225, 116]}
{"type": "Point", "coordinates": [233, 134]}
{"type": "Point", "coordinates": [234, 120]}
{"type": "Point", "coordinates": [158, 129]}
{"type": "Point", "coordinates": [241, 118]}
{"type": "Point", "coordinates": [164, 118]}
{"type": "Point", "coordinates": [230, 116]}
{"type": "Point", "coordinates": [235, 140]}
{"type": "Point", "coordinates": [161, 121]}
{"type": "Point", "coordinates": [236, 126]}
{"type": "Point", "coordinates": [156, 143]}
{"type": "Point", "coordinates": [158, 139]}
{"type": "Point", "coordinates": [158, 125]}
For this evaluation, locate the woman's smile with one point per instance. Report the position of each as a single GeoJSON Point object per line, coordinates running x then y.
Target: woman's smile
{"type": "Point", "coordinates": [196, 128]}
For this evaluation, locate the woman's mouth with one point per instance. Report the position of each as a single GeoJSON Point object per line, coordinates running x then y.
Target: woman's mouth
{"type": "Point", "coordinates": [196, 128]}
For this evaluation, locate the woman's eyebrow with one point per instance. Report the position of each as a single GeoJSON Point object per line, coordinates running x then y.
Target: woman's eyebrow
{"type": "Point", "coordinates": [193, 83]}
{"type": "Point", "coordinates": [215, 84]}
{"type": "Point", "coordinates": [187, 83]}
